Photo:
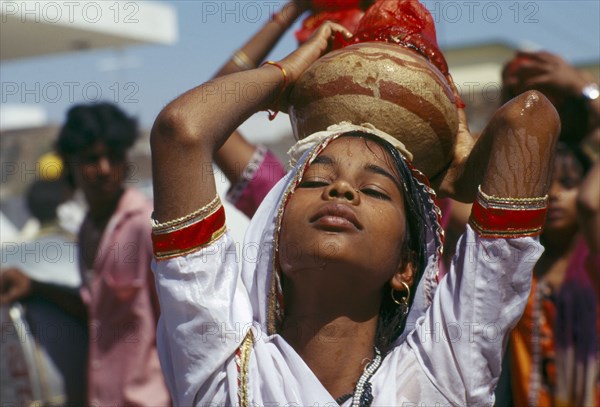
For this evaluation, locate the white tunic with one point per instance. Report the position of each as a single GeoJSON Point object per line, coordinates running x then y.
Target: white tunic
{"type": "Point", "coordinates": [452, 356]}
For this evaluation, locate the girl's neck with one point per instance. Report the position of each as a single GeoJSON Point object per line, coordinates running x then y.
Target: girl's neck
{"type": "Point", "coordinates": [336, 351]}
{"type": "Point", "coordinates": [332, 324]}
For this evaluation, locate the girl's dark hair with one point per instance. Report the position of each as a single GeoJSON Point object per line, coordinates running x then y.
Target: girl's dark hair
{"type": "Point", "coordinates": [391, 320]}
{"type": "Point", "coordinates": [87, 124]}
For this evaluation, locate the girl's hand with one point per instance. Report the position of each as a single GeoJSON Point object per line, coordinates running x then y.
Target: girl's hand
{"type": "Point", "coordinates": [452, 182]}
{"type": "Point", "coordinates": [300, 60]}
{"type": "Point", "coordinates": [316, 46]}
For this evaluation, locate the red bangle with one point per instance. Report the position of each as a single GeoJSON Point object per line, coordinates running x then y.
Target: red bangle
{"type": "Point", "coordinates": [273, 112]}
{"type": "Point", "coordinates": [189, 233]}
{"type": "Point", "coordinates": [508, 217]}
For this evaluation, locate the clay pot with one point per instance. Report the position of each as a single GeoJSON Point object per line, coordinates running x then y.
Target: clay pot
{"type": "Point", "coordinates": [389, 86]}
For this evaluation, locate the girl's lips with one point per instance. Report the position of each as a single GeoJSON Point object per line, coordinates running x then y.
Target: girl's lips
{"type": "Point", "coordinates": [336, 216]}
{"type": "Point", "coordinates": [334, 223]}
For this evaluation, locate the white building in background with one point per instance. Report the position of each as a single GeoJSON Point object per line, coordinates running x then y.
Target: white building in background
{"type": "Point", "coordinates": [42, 27]}
{"type": "Point", "coordinates": [36, 28]}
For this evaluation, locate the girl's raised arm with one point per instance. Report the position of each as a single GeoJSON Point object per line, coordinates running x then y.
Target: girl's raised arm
{"type": "Point", "coordinates": [189, 130]}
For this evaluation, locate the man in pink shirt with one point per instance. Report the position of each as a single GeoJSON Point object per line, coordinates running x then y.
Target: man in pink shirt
{"type": "Point", "coordinates": [117, 296]}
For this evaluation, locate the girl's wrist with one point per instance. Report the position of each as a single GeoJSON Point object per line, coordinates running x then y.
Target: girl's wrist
{"type": "Point", "coordinates": [280, 93]}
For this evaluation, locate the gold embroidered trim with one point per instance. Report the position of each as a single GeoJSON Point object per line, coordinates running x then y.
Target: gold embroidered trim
{"type": "Point", "coordinates": [496, 202]}
{"type": "Point", "coordinates": [273, 309]}
{"type": "Point", "coordinates": [512, 233]}
{"type": "Point", "coordinates": [184, 221]}
{"type": "Point", "coordinates": [243, 362]}
{"type": "Point", "coordinates": [176, 253]}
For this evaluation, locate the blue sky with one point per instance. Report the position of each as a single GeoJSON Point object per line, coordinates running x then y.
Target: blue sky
{"type": "Point", "coordinates": [143, 79]}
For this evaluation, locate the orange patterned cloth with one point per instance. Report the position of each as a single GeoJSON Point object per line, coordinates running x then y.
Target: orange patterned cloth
{"type": "Point", "coordinates": [536, 322]}
{"type": "Point", "coordinates": [554, 347]}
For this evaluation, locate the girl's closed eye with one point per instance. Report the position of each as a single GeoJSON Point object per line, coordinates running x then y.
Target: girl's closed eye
{"type": "Point", "coordinates": [375, 193]}
{"type": "Point", "coordinates": [313, 183]}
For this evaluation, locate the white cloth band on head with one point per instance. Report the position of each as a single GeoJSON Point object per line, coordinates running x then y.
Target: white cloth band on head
{"type": "Point", "coordinates": [296, 151]}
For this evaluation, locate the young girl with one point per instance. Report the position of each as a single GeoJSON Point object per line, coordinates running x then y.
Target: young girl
{"type": "Point", "coordinates": [553, 348]}
{"type": "Point", "coordinates": [340, 259]}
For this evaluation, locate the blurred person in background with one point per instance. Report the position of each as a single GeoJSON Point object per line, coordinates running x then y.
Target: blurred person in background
{"type": "Point", "coordinates": [552, 358]}
{"type": "Point", "coordinates": [573, 92]}
{"type": "Point", "coordinates": [554, 347]}
{"type": "Point", "coordinates": [57, 373]}
{"type": "Point", "coordinates": [588, 202]}
{"type": "Point", "coordinates": [117, 297]}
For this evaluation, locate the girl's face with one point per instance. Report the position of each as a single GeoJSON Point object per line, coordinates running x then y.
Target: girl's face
{"type": "Point", "coordinates": [562, 207]}
{"type": "Point", "coordinates": [346, 219]}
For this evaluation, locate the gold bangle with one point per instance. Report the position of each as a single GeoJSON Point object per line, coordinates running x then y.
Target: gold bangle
{"type": "Point", "coordinates": [491, 201]}
{"type": "Point", "coordinates": [242, 61]}
{"type": "Point", "coordinates": [176, 224]}
{"type": "Point", "coordinates": [273, 112]}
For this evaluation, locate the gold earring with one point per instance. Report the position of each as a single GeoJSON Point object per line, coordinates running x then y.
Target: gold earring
{"type": "Point", "coordinates": [405, 299]}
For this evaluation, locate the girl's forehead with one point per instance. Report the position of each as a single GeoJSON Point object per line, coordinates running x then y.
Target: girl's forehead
{"type": "Point", "coordinates": [357, 148]}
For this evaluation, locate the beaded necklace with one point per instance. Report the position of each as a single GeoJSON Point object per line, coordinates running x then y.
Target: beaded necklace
{"type": "Point", "coordinates": [536, 352]}
{"type": "Point", "coordinates": [363, 393]}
